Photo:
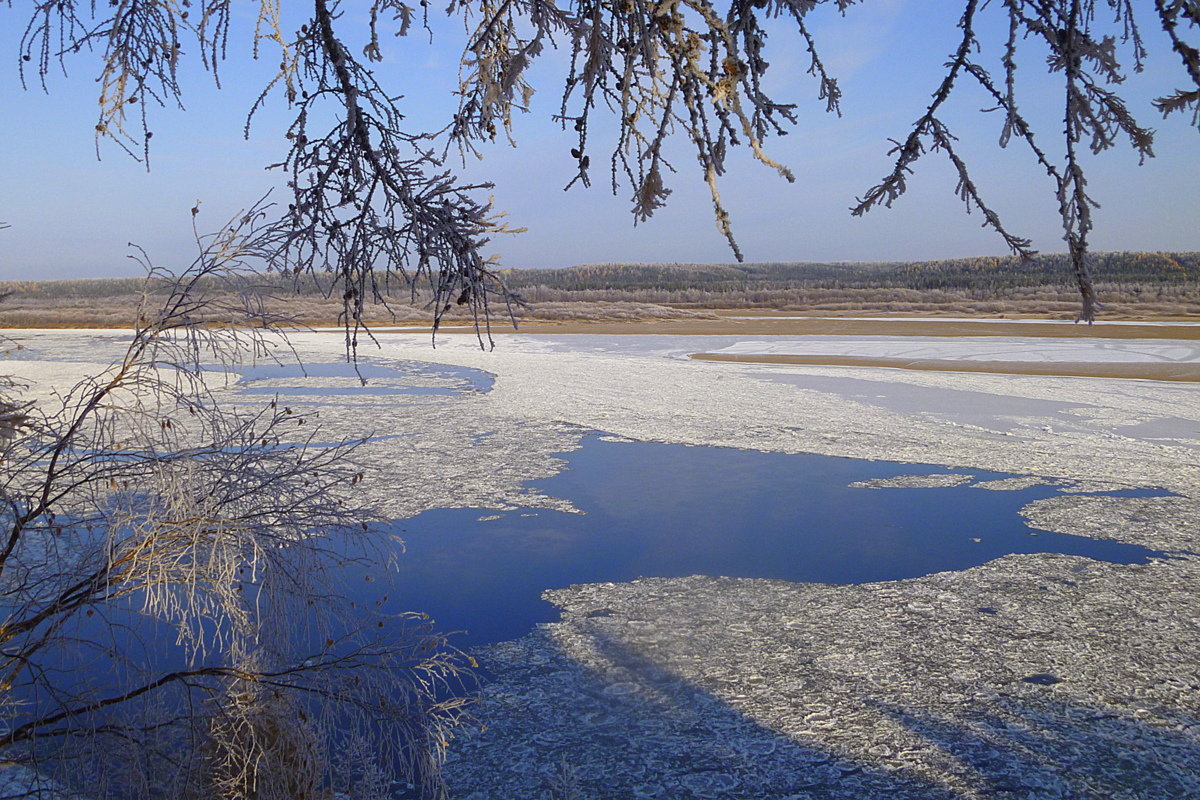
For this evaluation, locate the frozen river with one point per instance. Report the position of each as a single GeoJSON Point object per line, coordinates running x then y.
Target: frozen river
{"type": "Point", "coordinates": [1022, 672]}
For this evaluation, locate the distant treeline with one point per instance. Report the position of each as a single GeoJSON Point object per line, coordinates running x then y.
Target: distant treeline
{"type": "Point", "coordinates": [985, 272]}
{"type": "Point", "coordinates": [130, 287]}
{"type": "Point", "coordinates": [1128, 284]}
{"type": "Point", "coordinates": [980, 273]}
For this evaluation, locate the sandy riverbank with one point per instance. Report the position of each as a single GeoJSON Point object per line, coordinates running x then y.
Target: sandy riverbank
{"type": "Point", "coordinates": [1068, 369]}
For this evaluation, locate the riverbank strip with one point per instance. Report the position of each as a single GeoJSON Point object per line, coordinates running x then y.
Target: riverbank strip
{"type": "Point", "coordinates": [1155, 371]}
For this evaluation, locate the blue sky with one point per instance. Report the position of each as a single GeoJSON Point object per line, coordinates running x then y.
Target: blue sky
{"type": "Point", "coordinates": [73, 215]}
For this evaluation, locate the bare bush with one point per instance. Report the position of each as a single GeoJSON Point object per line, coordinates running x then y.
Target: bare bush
{"type": "Point", "coordinates": [167, 628]}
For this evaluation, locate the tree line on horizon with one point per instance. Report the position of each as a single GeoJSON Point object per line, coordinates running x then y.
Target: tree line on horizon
{"type": "Point", "coordinates": [978, 272]}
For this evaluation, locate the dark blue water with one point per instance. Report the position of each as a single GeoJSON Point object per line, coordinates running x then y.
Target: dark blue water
{"type": "Point", "coordinates": [348, 390]}
{"type": "Point", "coordinates": [337, 369]}
{"type": "Point", "coordinates": [672, 510]}
{"type": "Point", "coordinates": [465, 379]}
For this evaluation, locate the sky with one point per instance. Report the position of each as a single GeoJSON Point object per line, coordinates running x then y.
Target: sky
{"type": "Point", "coordinates": [75, 215]}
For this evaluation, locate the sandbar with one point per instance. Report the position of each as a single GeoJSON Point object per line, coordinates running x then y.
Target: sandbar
{"type": "Point", "coordinates": [1151, 371]}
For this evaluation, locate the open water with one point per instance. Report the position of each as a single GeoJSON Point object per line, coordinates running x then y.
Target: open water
{"type": "Point", "coordinates": [667, 510]}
